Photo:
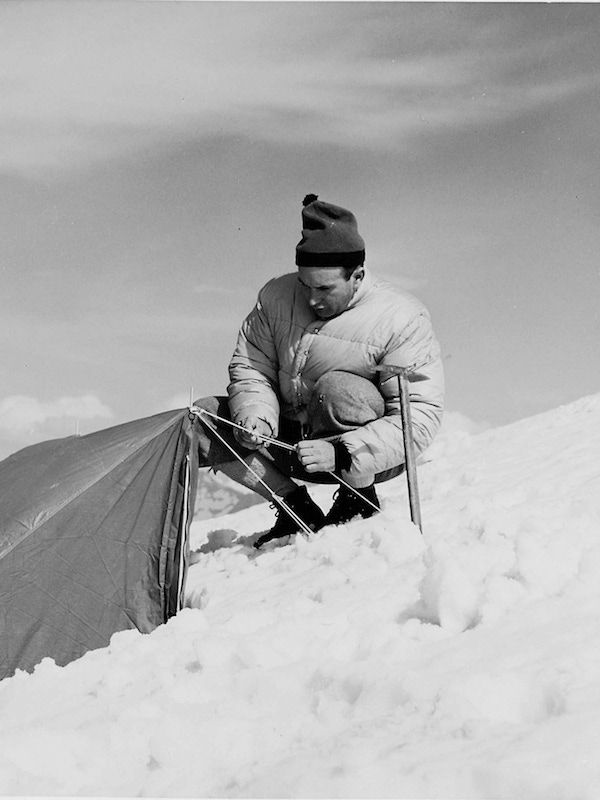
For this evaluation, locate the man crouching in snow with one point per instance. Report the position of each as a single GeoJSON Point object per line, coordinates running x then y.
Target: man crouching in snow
{"type": "Point", "coordinates": [305, 371]}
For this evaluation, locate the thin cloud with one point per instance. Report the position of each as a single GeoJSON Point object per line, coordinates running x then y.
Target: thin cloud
{"type": "Point", "coordinates": [77, 340]}
{"type": "Point", "coordinates": [20, 414]}
{"type": "Point", "coordinates": [210, 289]}
{"type": "Point", "coordinates": [85, 81]}
{"type": "Point", "coordinates": [25, 420]}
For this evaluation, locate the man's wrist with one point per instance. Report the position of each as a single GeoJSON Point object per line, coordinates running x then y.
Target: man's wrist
{"type": "Point", "coordinates": [343, 459]}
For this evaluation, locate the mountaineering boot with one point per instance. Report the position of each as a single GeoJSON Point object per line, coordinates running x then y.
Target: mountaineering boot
{"type": "Point", "coordinates": [348, 504]}
{"type": "Point", "coordinates": [301, 503]}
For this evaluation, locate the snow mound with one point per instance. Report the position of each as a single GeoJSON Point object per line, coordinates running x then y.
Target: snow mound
{"type": "Point", "coordinates": [368, 661]}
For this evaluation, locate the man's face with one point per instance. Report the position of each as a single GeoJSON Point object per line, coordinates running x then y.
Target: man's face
{"type": "Point", "coordinates": [326, 289]}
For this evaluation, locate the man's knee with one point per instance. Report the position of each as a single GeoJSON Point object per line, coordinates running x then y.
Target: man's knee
{"type": "Point", "coordinates": [214, 405]}
{"type": "Point", "coordinates": [342, 401]}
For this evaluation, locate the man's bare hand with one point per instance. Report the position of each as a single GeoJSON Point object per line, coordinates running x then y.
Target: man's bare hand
{"type": "Point", "coordinates": [316, 455]}
{"type": "Point", "coordinates": [251, 437]}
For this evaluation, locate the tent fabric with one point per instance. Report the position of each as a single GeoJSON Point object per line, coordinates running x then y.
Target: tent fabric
{"type": "Point", "coordinates": [94, 537]}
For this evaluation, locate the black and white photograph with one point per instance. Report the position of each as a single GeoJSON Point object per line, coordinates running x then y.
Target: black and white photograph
{"type": "Point", "coordinates": [300, 399]}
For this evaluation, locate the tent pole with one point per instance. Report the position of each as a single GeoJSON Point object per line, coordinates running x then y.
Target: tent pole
{"type": "Point", "coordinates": [185, 523]}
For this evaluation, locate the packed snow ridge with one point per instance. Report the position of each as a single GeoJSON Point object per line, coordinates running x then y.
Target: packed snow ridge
{"type": "Point", "coordinates": [368, 661]}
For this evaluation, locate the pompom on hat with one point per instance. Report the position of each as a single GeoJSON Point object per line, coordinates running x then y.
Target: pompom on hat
{"type": "Point", "coordinates": [330, 236]}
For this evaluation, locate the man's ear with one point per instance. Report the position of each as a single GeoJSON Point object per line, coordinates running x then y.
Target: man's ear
{"type": "Point", "coordinates": [360, 273]}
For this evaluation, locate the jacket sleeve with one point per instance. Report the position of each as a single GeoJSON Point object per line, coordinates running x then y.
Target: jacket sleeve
{"type": "Point", "coordinates": [253, 370]}
{"type": "Point", "coordinates": [379, 445]}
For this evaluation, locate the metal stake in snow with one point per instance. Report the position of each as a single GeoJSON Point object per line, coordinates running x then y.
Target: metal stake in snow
{"type": "Point", "coordinates": [409, 446]}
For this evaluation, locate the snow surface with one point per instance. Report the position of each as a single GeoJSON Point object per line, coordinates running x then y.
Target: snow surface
{"type": "Point", "coordinates": [370, 661]}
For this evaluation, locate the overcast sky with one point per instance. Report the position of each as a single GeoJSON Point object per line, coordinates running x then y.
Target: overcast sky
{"type": "Point", "coordinates": [154, 155]}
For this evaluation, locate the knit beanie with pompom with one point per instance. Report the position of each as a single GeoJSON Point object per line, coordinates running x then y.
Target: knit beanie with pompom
{"type": "Point", "coordinates": [330, 236]}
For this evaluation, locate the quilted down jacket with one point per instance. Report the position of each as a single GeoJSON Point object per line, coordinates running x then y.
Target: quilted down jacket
{"type": "Point", "coordinates": [283, 348]}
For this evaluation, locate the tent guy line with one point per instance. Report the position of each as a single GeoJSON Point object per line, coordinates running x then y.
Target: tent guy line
{"type": "Point", "coordinates": [199, 412]}
{"type": "Point", "coordinates": [264, 437]}
{"type": "Point", "coordinates": [277, 443]}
